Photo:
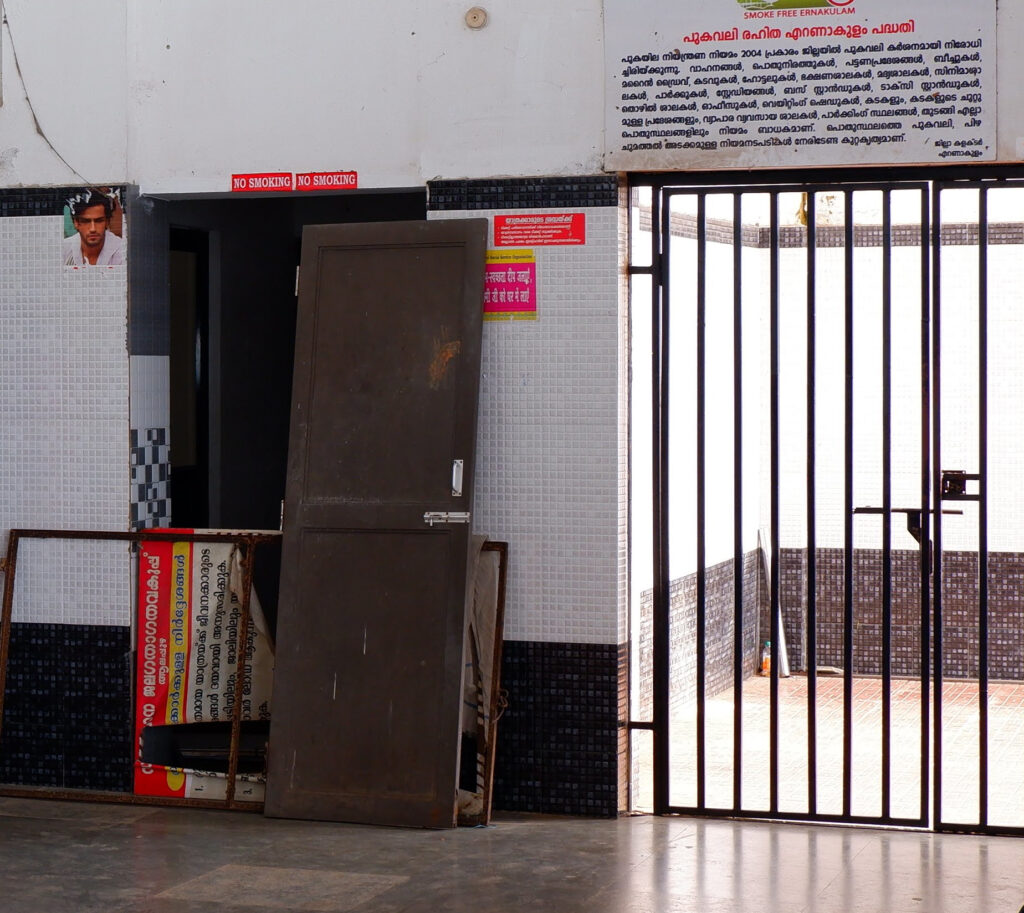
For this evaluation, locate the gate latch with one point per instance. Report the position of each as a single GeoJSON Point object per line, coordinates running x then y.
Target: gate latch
{"type": "Point", "coordinates": [913, 516]}
{"type": "Point", "coordinates": [954, 485]}
{"type": "Point", "coordinates": [444, 516]}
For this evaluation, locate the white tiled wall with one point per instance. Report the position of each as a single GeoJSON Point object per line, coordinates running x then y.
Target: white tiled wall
{"type": "Point", "coordinates": [548, 459]}
{"type": "Point", "coordinates": [64, 415]}
{"type": "Point", "coordinates": [623, 407]}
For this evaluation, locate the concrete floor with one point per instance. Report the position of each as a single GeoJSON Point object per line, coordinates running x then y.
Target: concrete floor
{"type": "Point", "coordinates": [58, 857]}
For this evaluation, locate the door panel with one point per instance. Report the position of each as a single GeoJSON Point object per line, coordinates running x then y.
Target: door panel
{"type": "Point", "coordinates": [369, 660]}
{"type": "Point", "coordinates": [356, 402]}
{"type": "Point", "coordinates": [368, 677]}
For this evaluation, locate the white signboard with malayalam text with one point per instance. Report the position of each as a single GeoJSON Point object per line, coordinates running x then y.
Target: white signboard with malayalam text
{"type": "Point", "coordinates": [702, 84]}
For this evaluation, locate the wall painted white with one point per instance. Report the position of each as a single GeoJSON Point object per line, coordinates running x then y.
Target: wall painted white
{"type": "Point", "coordinates": [401, 93]}
{"type": "Point", "coordinates": [1010, 79]}
{"type": "Point", "coordinates": [66, 62]}
{"type": "Point", "coordinates": [177, 96]}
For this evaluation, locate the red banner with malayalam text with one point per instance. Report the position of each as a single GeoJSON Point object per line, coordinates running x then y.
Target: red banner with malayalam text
{"type": "Point", "coordinates": [188, 615]}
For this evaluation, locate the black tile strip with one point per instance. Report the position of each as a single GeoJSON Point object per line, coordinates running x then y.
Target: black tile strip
{"type": "Point", "coordinates": [35, 201]}
{"type": "Point", "coordinates": [67, 708]}
{"type": "Point", "coordinates": [558, 739]}
{"type": "Point", "coordinates": [522, 193]}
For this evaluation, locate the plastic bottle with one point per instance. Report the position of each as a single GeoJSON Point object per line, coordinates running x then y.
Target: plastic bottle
{"type": "Point", "coordinates": [766, 658]}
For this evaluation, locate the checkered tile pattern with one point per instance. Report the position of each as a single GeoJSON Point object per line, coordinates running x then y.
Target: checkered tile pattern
{"type": "Point", "coordinates": [151, 478]}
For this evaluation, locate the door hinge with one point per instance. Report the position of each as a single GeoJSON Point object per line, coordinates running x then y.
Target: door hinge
{"type": "Point", "coordinates": [444, 516]}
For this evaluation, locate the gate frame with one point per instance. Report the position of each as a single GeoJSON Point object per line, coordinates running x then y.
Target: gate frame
{"type": "Point", "coordinates": [930, 181]}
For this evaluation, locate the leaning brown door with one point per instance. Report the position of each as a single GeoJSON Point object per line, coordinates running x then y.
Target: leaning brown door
{"type": "Point", "coordinates": [370, 625]}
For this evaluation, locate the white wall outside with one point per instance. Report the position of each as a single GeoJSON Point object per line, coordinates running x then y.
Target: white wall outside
{"type": "Point", "coordinates": [178, 96]}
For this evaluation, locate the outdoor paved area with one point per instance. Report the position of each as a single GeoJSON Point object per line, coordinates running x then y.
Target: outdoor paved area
{"type": "Point", "coordinates": [960, 750]}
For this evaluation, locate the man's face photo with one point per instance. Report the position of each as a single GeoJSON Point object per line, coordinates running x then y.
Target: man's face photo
{"type": "Point", "coordinates": [93, 227]}
{"type": "Point", "coordinates": [92, 224]}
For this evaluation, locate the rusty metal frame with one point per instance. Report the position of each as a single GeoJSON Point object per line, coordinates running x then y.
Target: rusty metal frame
{"type": "Point", "coordinates": [247, 540]}
{"type": "Point", "coordinates": [499, 700]}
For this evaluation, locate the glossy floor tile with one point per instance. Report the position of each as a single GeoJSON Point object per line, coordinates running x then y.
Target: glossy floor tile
{"type": "Point", "coordinates": [58, 857]}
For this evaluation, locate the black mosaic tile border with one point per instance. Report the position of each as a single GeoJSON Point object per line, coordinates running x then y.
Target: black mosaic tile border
{"type": "Point", "coordinates": [558, 741]}
{"type": "Point", "coordinates": [523, 193]}
{"type": "Point", "coordinates": [961, 653]}
{"type": "Point", "coordinates": [960, 608]}
{"type": "Point", "coordinates": [37, 201]}
{"type": "Point", "coordinates": [720, 613]}
{"type": "Point", "coordinates": [67, 708]}
{"type": "Point", "coordinates": [43, 201]}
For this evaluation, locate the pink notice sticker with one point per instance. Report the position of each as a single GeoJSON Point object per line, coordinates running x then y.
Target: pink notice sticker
{"type": "Point", "coordinates": [510, 285]}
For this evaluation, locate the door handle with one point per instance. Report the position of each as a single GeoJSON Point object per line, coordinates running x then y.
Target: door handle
{"type": "Point", "coordinates": [457, 478]}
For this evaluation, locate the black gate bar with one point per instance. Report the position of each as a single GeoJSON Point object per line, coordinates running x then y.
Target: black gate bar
{"type": "Point", "coordinates": [812, 499]}
{"type": "Point", "coordinates": [737, 505]}
{"type": "Point", "coordinates": [886, 503]}
{"type": "Point", "coordinates": [775, 606]}
{"type": "Point", "coordinates": [659, 392]}
{"type": "Point", "coordinates": [983, 633]}
{"type": "Point", "coordinates": [925, 566]}
{"type": "Point", "coordinates": [701, 386]}
{"type": "Point", "coordinates": [848, 508]}
{"type": "Point", "coordinates": [936, 452]}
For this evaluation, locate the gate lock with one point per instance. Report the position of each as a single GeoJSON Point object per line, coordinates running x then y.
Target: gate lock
{"type": "Point", "coordinates": [954, 485]}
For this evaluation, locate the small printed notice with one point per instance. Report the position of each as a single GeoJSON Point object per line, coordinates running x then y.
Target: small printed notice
{"type": "Point", "coordinates": [510, 285]}
{"type": "Point", "coordinates": [327, 180]}
{"type": "Point", "coordinates": [537, 229]}
{"type": "Point", "coordinates": [770, 83]}
{"type": "Point", "coordinates": [267, 182]}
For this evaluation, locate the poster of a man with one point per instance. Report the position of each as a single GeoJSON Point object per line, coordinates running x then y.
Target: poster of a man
{"type": "Point", "coordinates": [97, 219]}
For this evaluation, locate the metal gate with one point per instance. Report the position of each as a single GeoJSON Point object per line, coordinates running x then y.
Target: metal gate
{"type": "Point", "coordinates": [825, 488]}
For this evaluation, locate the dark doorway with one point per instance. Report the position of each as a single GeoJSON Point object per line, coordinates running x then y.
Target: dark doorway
{"type": "Point", "coordinates": [189, 375]}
